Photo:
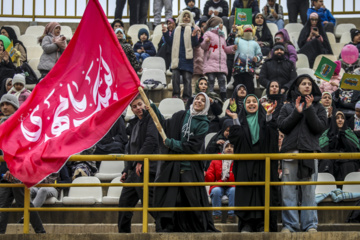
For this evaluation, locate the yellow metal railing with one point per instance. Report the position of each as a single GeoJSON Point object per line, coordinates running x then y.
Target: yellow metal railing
{"type": "Point", "coordinates": [147, 158]}
{"type": "Point", "coordinates": [69, 6]}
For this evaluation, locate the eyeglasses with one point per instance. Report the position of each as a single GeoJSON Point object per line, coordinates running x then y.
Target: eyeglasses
{"type": "Point", "coordinates": [314, 19]}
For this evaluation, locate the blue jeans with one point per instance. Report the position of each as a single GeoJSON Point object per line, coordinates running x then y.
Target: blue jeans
{"type": "Point", "coordinates": [279, 23]}
{"type": "Point", "coordinates": [290, 197]}
{"type": "Point", "coordinates": [217, 193]}
{"type": "Point", "coordinates": [141, 55]}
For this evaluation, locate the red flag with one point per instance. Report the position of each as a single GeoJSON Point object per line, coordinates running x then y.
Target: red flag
{"type": "Point", "coordinates": [74, 106]}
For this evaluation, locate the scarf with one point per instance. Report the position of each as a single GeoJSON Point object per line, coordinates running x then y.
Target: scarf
{"type": "Point", "coordinates": [187, 40]}
{"type": "Point", "coordinates": [217, 30]}
{"type": "Point", "coordinates": [226, 164]}
{"type": "Point", "coordinates": [195, 113]}
{"type": "Point", "coordinates": [253, 121]}
{"type": "Point", "coordinates": [16, 93]}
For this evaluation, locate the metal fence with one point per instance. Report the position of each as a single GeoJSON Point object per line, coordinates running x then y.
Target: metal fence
{"type": "Point", "coordinates": [73, 9]}
{"type": "Point", "coordinates": [202, 157]}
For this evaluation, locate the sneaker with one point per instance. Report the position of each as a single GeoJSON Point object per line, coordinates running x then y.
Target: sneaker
{"type": "Point", "coordinates": [246, 229]}
{"type": "Point", "coordinates": [285, 230]}
{"type": "Point", "coordinates": [231, 219]}
{"type": "Point", "coordinates": [217, 218]}
{"type": "Point", "coordinates": [312, 230]}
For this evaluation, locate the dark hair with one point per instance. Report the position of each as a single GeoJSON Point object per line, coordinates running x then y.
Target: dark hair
{"type": "Point", "coordinates": [137, 97]}
{"type": "Point", "coordinates": [117, 21]}
{"type": "Point", "coordinates": [300, 79]}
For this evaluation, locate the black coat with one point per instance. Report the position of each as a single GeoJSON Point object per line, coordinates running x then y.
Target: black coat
{"type": "Point", "coordinates": [147, 139]}
{"type": "Point", "coordinates": [264, 35]}
{"type": "Point", "coordinates": [282, 71]}
{"type": "Point", "coordinates": [222, 4]}
{"type": "Point", "coordinates": [302, 130]}
{"type": "Point", "coordinates": [347, 108]}
{"type": "Point", "coordinates": [254, 170]}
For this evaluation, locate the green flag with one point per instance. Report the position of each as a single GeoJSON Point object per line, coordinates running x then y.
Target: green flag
{"type": "Point", "coordinates": [243, 16]}
{"type": "Point", "coordinates": [350, 81]}
{"type": "Point", "coordinates": [326, 69]}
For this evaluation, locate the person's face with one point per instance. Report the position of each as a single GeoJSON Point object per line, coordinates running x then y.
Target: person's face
{"type": "Point", "coordinates": [259, 20]}
{"type": "Point", "coordinates": [251, 105]}
{"type": "Point", "coordinates": [18, 86]}
{"type": "Point", "coordinates": [318, 4]}
{"type": "Point", "coordinates": [199, 103]}
{"type": "Point", "coordinates": [227, 132]}
{"type": "Point", "coordinates": [274, 88]}
{"type": "Point", "coordinates": [326, 100]}
{"type": "Point", "coordinates": [357, 38]}
{"type": "Point", "coordinates": [202, 26]}
{"type": "Point", "coordinates": [357, 112]}
{"type": "Point", "coordinates": [7, 109]}
{"type": "Point", "coordinates": [314, 21]}
{"type": "Point", "coordinates": [340, 120]}
{"type": "Point", "coordinates": [8, 86]}
{"type": "Point", "coordinates": [137, 106]}
{"type": "Point", "coordinates": [281, 138]}
{"type": "Point", "coordinates": [119, 35]}
{"type": "Point", "coordinates": [143, 37]}
{"type": "Point", "coordinates": [279, 52]}
{"type": "Point", "coordinates": [117, 25]}
{"type": "Point", "coordinates": [203, 85]}
{"type": "Point", "coordinates": [229, 149]}
{"type": "Point", "coordinates": [191, 4]}
{"type": "Point", "coordinates": [279, 38]}
{"type": "Point", "coordinates": [186, 18]}
{"type": "Point", "coordinates": [4, 32]}
{"type": "Point", "coordinates": [271, 2]}
{"type": "Point", "coordinates": [305, 87]}
{"type": "Point", "coordinates": [170, 25]}
{"type": "Point", "coordinates": [57, 31]}
{"type": "Point", "coordinates": [1, 46]}
{"type": "Point", "coordinates": [241, 92]}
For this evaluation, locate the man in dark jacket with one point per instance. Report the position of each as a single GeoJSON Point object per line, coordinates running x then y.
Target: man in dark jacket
{"type": "Point", "coordinates": [219, 8]}
{"type": "Point", "coordinates": [278, 68]}
{"type": "Point", "coordinates": [9, 104]}
{"type": "Point", "coordinates": [143, 140]}
{"type": "Point", "coordinates": [296, 7]}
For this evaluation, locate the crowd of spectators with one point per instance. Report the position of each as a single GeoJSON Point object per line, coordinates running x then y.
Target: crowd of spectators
{"type": "Point", "coordinates": [295, 114]}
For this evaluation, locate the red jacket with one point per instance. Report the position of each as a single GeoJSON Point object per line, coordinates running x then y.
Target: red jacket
{"type": "Point", "coordinates": [213, 174]}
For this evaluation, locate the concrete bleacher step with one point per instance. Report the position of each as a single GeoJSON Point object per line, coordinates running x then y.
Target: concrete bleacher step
{"type": "Point", "coordinates": [137, 228]}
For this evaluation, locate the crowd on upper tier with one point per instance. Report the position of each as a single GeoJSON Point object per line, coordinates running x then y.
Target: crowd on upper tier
{"type": "Point", "coordinates": [294, 114]}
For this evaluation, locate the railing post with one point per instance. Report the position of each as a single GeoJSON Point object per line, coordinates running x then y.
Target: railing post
{"type": "Point", "coordinates": [267, 195]}
{"type": "Point", "coordinates": [33, 11]}
{"type": "Point", "coordinates": [145, 195]}
{"type": "Point", "coordinates": [26, 209]}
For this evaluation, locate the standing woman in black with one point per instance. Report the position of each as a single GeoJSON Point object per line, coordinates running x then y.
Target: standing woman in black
{"type": "Point", "coordinates": [255, 131]}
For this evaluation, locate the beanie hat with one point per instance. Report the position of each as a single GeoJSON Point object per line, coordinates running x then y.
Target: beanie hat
{"type": "Point", "coordinates": [142, 31]}
{"type": "Point", "coordinates": [353, 33]}
{"type": "Point", "coordinates": [213, 22]}
{"type": "Point", "coordinates": [314, 15]}
{"type": "Point", "coordinates": [122, 31]}
{"type": "Point", "coordinates": [18, 78]}
{"type": "Point", "coordinates": [5, 40]}
{"type": "Point", "coordinates": [357, 105]}
{"type": "Point", "coordinates": [187, 1]}
{"type": "Point", "coordinates": [338, 67]}
{"type": "Point", "coordinates": [11, 99]}
{"type": "Point", "coordinates": [279, 45]}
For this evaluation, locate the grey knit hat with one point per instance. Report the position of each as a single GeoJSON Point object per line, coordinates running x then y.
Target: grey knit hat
{"type": "Point", "coordinates": [19, 78]}
{"type": "Point", "coordinates": [11, 99]}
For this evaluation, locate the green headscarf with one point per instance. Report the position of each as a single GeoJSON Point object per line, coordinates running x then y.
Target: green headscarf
{"type": "Point", "coordinates": [5, 40]}
{"type": "Point", "coordinates": [253, 121]}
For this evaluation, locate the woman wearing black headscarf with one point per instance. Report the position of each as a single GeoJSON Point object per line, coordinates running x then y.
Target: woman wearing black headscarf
{"type": "Point", "coordinates": [254, 131]}
{"type": "Point", "coordinates": [302, 120]}
{"type": "Point", "coordinates": [313, 40]}
{"type": "Point", "coordinates": [263, 34]}
{"type": "Point", "coordinates": [18, 45]}
{"type": "Point", "coordinates": [273, 94]}
{"type": "Point", "coordinates": [339, 138]}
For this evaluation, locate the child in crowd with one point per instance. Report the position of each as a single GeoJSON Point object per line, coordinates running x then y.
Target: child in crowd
{"type": "Point", "coordinates": [190, 6]}
{"type": "Point", "coordinates": [164, 49]}
{"type": "Point", "coordinates": [248, 53]}
{"type": "Point", "coordinates": [127, 49]}
{"type": "Point", "coordinates": [144, 48]}
{"type": "Point", "coordinates": [8, 84]}
{"type": "Point", "coordinates": [222, 171]}
{"type": "Point", "coordinates": [18, 88]}
{"type": "Point", "coordinates": [53, 45]}
{"type": "Point", "coordinates": [117, 23]}
{"type": "Point", "coordinates": [215, 48]}
{"type": "Point", "coordinates": [273, 13]}
{"type": "Point", "coordinates": [334, 82]}
{"type": "Point", "coordinates": [182, 42]}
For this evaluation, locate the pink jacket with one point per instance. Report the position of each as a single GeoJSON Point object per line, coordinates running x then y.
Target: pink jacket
{"type": "Point", "coordinates": [215, 53]}
{"type": "Point", "coordinates": [327, 87]}
{"type": "Point", "coordinates": [198, 58]}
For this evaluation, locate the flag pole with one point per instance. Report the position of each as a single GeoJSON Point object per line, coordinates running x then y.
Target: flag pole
{"type": "Point", "coordinates": [152, 113]}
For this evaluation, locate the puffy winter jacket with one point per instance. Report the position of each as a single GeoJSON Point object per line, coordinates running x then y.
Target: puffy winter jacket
{"type": "Point", "coordinates": [215, 53]}
{"type": "Point", "coordinates": [148, 47]}
{"type": "Point", "coordinates": [213, 174]}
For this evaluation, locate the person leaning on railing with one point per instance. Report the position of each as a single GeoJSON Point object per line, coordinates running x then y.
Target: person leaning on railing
{"type": "Point", "coordinates": [302, 120]}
